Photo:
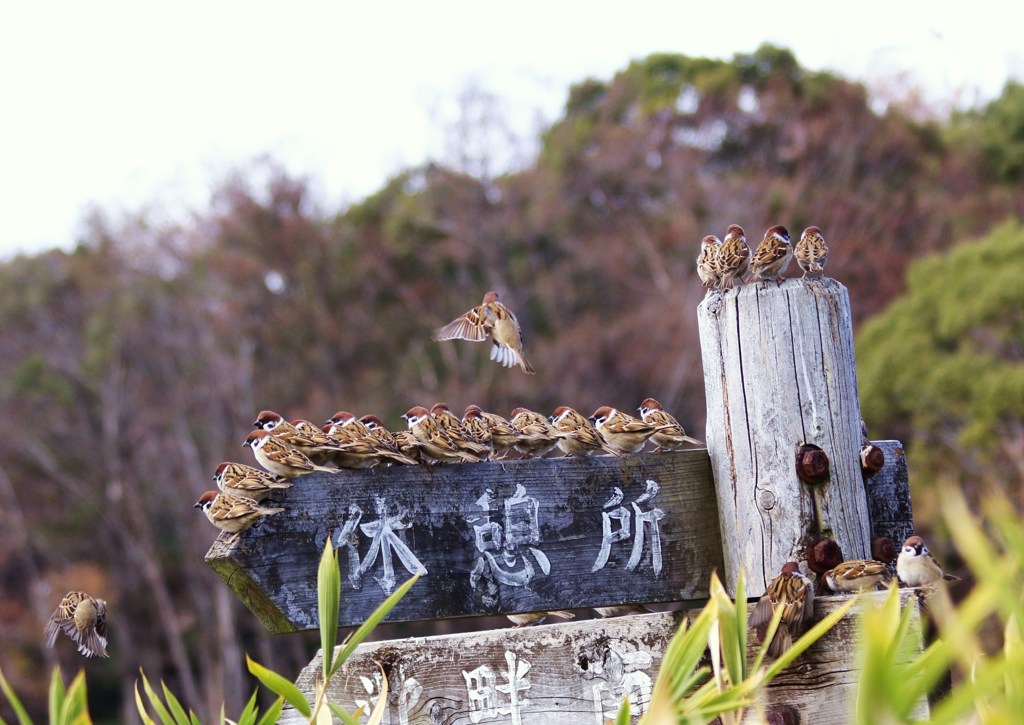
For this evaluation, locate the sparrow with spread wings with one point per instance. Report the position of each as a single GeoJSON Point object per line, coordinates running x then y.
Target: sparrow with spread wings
{"type": "Point", "coordinates": [491, 318]}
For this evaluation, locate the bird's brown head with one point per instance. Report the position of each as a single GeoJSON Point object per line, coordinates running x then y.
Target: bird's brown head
{"type": "Point", "coordinates": [490, 297]}
{"type": "Point", "coordinates": [779, 232]}
{"type": "Point", "coordinates": [914, 545]}
{"type": "Point", "coordinates": [415, 414]}
{"type": "Point", "coordinates": [560, 412]}
{"type": "Point", "coordinates": [205, 501]}
{"type": "Point", "coordinates": [372, 422]}
{"type": "Point", "coordinates": [710, 241]}
{"type": "Point", "coordinates": [649, 404]}
{"type": "Point", "coordinates": [601, 415]}
{"type": "Point", "coordinates": [254, 438]}
{"type": "Point", "coordinates": [473, 411]}
{"type": "Point", "coordinates": [790, 567]}
{"type": "Point", "coordinates": [439, 408]}
{"type": "Point", "coordinates": [267, 420]}
{"type": "Point", "coordinates": [735, 231]}
{"type": "Point", "coordinates": [517, 411]}
{"type": "Point", "coordinates": [811, 232]}
{"type": "Point", "coordinates": [342, 417]}
{"type": "Point", "coordinates": [220, 470]}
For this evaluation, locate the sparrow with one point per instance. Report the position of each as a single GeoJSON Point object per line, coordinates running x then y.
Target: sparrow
{"type": "Point", "coordinates": [491, 318]}
{"type": "Point", "coordinates": [794, 594]}
{"type": "Point", "coordinates": [242, 480]}
{"type": "Point", "coordinates": [358, 447]}
{"type": "Point", "coordinates": [621, 610]}
{"type": "Point", "coordinates": [434, 442]}
{"type": "Point", "coordinates": [669, 436]}
{"type": "Point", "coordinates": [503, 437]}
{"type": "Point", "coordinates": [388, 440]}
{"type": "Point", "coordinates": [452, 426]}
{"type": "Point", "coordinates": [811, 252]}
{"type": "Point", "coordinates": [476, 425]}
{"type": "Point", "coordinates": [347, 427]}
{"type": "Point", "coordinates": [409, 446]}
{"type": "Point", "coordinates": [623, 433]}
{"type": "Point", "coordinates": [84, 620]}
{"type": "Point", "coordinates": [311, 441]}
{"type": "Point", "coordinates": [581, 437]}
{"type": "Point", "coordinates": [856, 575]}
{"type": "Point", "coordinates": [280, 458]}
{"type": "Point", "coordinates": [527, 618]}
{"type": "Point", "coordinates": [536, 435]}
{"type": "Point", "coordinates": [233, 514]}
{"type": "Point", "coordinates": [772, 255]}
{"type": "Point", "coordinates": [707, 261]}
{"type": "Point", "coordinates": [733, 257]}
{"type": "Point", "coordinates": [915, 566]}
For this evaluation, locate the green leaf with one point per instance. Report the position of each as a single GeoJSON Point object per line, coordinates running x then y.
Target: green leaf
{"type": "Point", "coordinates": [249, 713]}
{"type": "Point", "coordinates": [76, 702]}
{"type": "Point", "coordinates": [154, 700]}
{"type": "Point", "coordinates": [623, 717]}
{"type": "Point", "coordinates": [328, 586]}
{"type": "Point", "coordinates": [273, 712]}
{"type": "Point", "coordinates": [279, 685]}
{"type": "Point", "coordinates": [56, 697]}
{"type": "Point", "coordinates": [143, 713]}
{"type": "Point", "coordinates": [180, 718]}
{"type": "Point", "coordinates": [15, 703]}
{"type": "Point", "coordinates": [343, 714]}
{"type": "Point", "coordinates": [809, 637]}
{"type": "Point", "coordinates": [372, 621]}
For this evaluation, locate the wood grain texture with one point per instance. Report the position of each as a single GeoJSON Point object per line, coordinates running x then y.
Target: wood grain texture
{"type": "Point", "coordinates": [779, 372]}
{"type": "Point", "coordinates": [495, 538]}
{"type": "Point", "coordinates": [575, 672]}
{"type": "Point", "coordinates": [889, 496]}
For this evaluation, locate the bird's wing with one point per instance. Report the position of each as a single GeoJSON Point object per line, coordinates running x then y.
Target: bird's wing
{"type": "Point", "coordinates": [472, 326]}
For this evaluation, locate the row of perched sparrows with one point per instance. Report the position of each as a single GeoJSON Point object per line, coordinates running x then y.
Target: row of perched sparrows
{"type": "Point", "coordinates": [287, 450]}
{"type": "Point", "coordinates": [793, 592]}
{"type": "Point", "coordinates": [724, 263]}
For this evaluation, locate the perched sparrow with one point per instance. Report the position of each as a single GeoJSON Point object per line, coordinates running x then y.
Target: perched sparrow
{"type": "Point", "coordinates": [434, 442]}
{"type": "Point", "coordinates": [409, 446]}
{"type": "Point", "coordinates": [536, 435]}
{"type": "Point", "coordinates": [856, 575]}
{"type": "Point", "coordinates": [733, 257]}
{"type": "Point", "coordinates": [494, 319]}
{"type": "Point", "coordinates": [915, 566]}
{"type": "Point", "coordinates": [475, 424]}
{"type": "Point", "coordinates": [358, 447]}
{"type": "Point", "coordinates": [772, 255]}
{"type": "Point", "coordinates": [233, 514]}
{"type": "Point", "coordinates": [347, 427]}
{"type": "Point", "coordinates": [794, 593]}
{"type": "Point", "coordinates": [707, 261]}
{"type": "Point", "coordinates": [527, 618]}
{"type": "Point", "coordinates": [581, 437]}
{"type": "Point", "coordinates": [84, 620]}
{"type": "Point", "coordinates": [461, 437]}
{"type": "Point", "coordinates": [623, 433]}
{"type": "Point", "coordinates": [811, 252]}
{"type": "Point", "coordinates": [242, 480]}
{"type": "Point", "coordinates": [279, 458]}
{"type": "Point", "coordinates": [621, 610]}
{"type": "Point", "coordinates": [500, 433]}
{"type": "Point", "coordinates": [670, 435]}
{"type": "Point", "coordinates": [310, 441]}
{"type": "Point", "coordinates": [388, 440]}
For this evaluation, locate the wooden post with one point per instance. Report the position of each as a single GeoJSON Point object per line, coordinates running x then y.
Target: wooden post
{"type": "Point", "coordinates": [779, 374]}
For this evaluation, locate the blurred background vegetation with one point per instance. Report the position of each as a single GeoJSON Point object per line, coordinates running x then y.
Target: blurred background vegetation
{"type": "Point", "coordinates": [133, 364]}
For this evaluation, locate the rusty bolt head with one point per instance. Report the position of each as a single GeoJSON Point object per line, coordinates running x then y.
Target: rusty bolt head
{"type": "Point", "coordinates": [871, 460]}
{"type": "Point", "coordinates": [822, 555]}
{"type": "Point", "coordinates": [782, 715]}
{"type": "Point", "coordinates": [882, 549]}
{"type": "Point", "coordinates": [812, 465]}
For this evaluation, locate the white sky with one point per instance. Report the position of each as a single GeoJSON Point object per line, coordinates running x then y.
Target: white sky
{"type": "Point", "coordinates": [126, 104]}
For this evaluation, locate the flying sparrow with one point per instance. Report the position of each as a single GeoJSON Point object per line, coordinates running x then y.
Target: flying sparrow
{"type": "Point", "coordinates": [581, 437]}
{"type": "Point", "coordinates": [623, 433]}
{"type": "Point", "coordinates": [707, 261]}
{"type": "Point", "coordinates": [856, 575]}
{"type": "Point", "coordinates": [915, 566]}
{"type": "Point", "coordinates": [84, 620]}
{"type": "Point", "coordinates": [536, 435]}
{"type": "Point", "coordinates": [233, 514]}
{"type": "Point", "coordinates": [491, 318]}
{"type": "Point", "coordinates": [433, 441]}
{"type": "Point", "coordinates": [733, 257]}
{"type": "Point", "coordinates": [811, 252]}
{"type": "Point", "coordinates": [280, 458]}
{"type": "Point", "coordinates": [772, 255]}
{"type": "Point", "coordinates": [242, 480]}
{"type": "Point", "coordinates": [794, 593]}
{"type": "Point", "coordinates": [461, 437]}
{"type": "Point", "coordinates": [527, 618]}
{"type": "Point", "coordinates": [669, 435]}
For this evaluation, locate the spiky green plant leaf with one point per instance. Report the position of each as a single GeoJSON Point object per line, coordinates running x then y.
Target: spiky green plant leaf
{"type": "Point", "coordinates": [279, 685]}
{"type": "Point", "coordinates": [343, 714]}
{"type": "Point", "coordinates": [273, 713]}
{"type": "Point", "coordinates": [328, 585]}
{"type": "Point", "coordinates": [19, 709]}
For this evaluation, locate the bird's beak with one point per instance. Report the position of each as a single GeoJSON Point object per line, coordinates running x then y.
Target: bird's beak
{"type": "Point", "coordinates": [255, 424]}
{"type": "Point", "coordinates": [592, 419]}
{"type": "Point", "coordinates": [197, 505]}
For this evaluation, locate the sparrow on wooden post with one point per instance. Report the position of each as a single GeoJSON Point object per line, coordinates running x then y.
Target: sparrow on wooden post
{"type": "Point", "coordinates": [707, 261]}
{"type": "Point", "coordinates": [772, 255]}
{"type": "Point", "coordinates": [242, 480]}
{"type": "Point", "coordinates": [310, 441]}
{"type": "Point", "coordinates": [280, 458]}
{"type": "Point", "coordinates": [856, 575]}
{"type": "Point", "coordinates": [669, 435]}
{"type": "Point", "coordinates": [623, 433]}
{"type": "Point", "coordinates": [233, 514]}
{"type": "Point", "coordinates": [581, 437]}
{"type": "Point", "coordinates": [490, 319]}
{"type": "Point", "coordinates": [460, 436]}
{"type": "Point", "coordinates": [500, 433]}
{"type": "Point", "coordinates": [733, 257]}
{"type": "Point", "coordinates": [915, 566]}
{"type": "Point", "coordinates": [794, 594]}
{"type": "Point", "coordinates": [536, 435]}
{"type": "Point", "coordinates": [84, 620]}
{"type": "Point", "coordinates": [811, 252]}
{"type": "Point", "coordinates": [433, 441]}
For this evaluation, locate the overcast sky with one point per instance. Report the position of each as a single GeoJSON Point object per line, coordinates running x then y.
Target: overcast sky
{"type": "Point", "coordinates": [125, 104]}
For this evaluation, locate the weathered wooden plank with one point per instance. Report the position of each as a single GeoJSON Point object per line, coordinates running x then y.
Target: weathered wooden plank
{"type": "Point", "coordinates": [889, 496]}
{"type": "Point", "coordinates": [495, 538]}
{"type": "Point", "coordinates": [575, 672]}
{"type": "Point", "coordinates": [779, 373]}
